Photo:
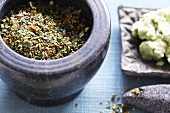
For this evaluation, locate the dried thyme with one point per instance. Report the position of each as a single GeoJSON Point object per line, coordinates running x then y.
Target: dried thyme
{"type": "Point", "coordinates": [44, 31]}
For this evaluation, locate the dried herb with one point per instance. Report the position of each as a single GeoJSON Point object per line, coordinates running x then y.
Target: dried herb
{"type": "Point", "coordinates": [76, 104]}
{"type": "Point", "coordinates": [100, 103]}
{"type": "Point", "coordinates": [130, 94]}
{"type": "Point", "coordinates": [117, 108]}
{"type": "Point", "coordinates": [44, 31]}
{"type": "Point", "coordinates": [116, 105]}
{"type": "Point", "coordinates": [108, 106]}
{"type": "Point", "coordinates": [113, 96]}
{"type": "Point", "coordinates": [118, 98]}
{"type": "Point", "coordinates": [101, 111]}
{"type": "Point", "coordinates": [137, 91]}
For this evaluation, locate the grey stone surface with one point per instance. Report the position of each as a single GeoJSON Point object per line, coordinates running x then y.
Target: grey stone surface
{"type": "Point", "coordinates": [58, 79]}
{"type": "Point", "coordinates": [153, 98]}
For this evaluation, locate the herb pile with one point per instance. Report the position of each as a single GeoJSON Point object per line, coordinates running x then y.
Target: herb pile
{"type": "Point", "coordinates": [117, 107]}
{"type": "Point", "coordinates": [44, 31]}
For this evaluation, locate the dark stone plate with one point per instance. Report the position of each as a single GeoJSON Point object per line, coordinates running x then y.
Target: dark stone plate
{"type": "Point", "coordinates": [131, 61]}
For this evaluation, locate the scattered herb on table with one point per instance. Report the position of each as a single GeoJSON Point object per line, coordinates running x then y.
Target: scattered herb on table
{"type": "Point", "coordinates": [117, 106]}
{"type": "Point", "coordinates": [76, 104]}
{"type": "Point", "coordinates": [100, 103]}
{"type": "Point", "coordinates": [101, 111]}
{"type": "Point", "coordinates": [108, 106]}
{"type": "Point", "coordinates": [44, 31]}
{"type": "Point", "coordinates": [113, 96]}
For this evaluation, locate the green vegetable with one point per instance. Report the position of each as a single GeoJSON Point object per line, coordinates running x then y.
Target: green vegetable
{"type": "Point", "coordinates": [154, 29]}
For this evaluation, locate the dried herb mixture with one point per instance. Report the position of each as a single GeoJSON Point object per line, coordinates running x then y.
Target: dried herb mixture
{"type": "Point", "coordinates": [43, 32]}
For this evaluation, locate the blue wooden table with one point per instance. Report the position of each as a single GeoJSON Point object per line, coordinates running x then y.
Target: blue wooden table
{"type": "Point", "coordinates": [108, 80]}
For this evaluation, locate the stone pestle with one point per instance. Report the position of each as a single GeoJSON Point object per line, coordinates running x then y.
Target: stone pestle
{"type": "Point", "coordinates": [151, 98]}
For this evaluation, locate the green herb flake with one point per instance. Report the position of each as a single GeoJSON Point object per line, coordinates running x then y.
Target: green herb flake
{"type": "Point", "coordinates": [108, 106]}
